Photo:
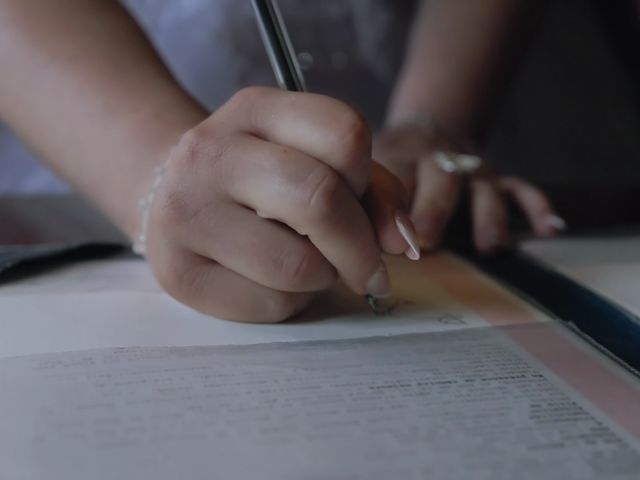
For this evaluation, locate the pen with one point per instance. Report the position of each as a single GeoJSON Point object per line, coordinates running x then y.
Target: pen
{"type": "Point", "coordinates": [278, 45]}
{"type": "Point", "coordinates": [284, 62]}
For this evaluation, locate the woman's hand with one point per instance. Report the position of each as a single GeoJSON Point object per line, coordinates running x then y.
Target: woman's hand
{"type": "Point", "coordinates": [259, 208]}
{"type": "Point", "coordinates": [407, 151]}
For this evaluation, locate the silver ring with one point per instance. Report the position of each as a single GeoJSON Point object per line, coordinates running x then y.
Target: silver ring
{"type": "Point", "coordinates": [457, 163]}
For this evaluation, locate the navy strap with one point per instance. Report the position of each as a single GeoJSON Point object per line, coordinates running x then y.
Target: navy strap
{"type": "Point", "coordinates": [21, 261]}
{"type": "Point", "coordinates": [613, 327]}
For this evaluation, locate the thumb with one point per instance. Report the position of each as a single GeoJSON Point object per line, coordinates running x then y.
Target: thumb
{"type": "Point", "coordinates": [386, 202]}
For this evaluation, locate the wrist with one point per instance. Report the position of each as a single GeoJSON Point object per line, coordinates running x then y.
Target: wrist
{"type": "Point", "coordinates": [455, 116]}
{"type": "Point", "coordinates": [129, 205]}
{"type": "Point", "coordinates": [436, 132]}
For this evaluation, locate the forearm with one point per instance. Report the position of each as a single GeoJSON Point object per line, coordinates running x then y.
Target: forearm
{"type": "Point", "coordinates": [84, 89]}
{"type": "Point", "coordinates": [458, 53]}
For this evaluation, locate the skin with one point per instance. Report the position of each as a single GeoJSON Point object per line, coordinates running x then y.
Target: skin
{"type": "Point", "coordinates": [262, 202]}
{"type": "Point", "coordinates": [460, 55]}
{"type": "Point", "coordinates": [266, 201]}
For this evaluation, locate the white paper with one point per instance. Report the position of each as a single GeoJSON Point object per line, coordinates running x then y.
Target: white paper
{"type": "Point", "coordinates": [485, 387]}
{"type": "Point", "coordinates": [106, 304]}
{"type": "Point", "coordinates": [449, 405]}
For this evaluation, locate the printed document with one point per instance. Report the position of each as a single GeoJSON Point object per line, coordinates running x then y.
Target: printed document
{"type": "Point", "coordinates": [473, 383]}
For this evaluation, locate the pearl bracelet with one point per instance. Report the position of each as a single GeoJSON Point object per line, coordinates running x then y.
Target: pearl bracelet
{"type": "Point", "coordinates": [144, 204]}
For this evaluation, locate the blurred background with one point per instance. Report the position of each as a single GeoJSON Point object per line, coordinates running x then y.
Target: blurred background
{"type": "Point", "coordinates": [568, 121]}
{"type": "Point", "coordinates": [571, 119]}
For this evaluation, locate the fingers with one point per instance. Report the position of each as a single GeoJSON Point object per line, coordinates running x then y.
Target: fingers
{"type": "Point", "coordinates": [263, 251]}
{"type": "Point", "coordinates": [259, 206]}
{"type": "Point", "coordinates": [489, 216]}
{"type": "Point", "coordinates": [398, 153]}
{"type": "Point", "coordinates": [217, 291]}
{"type": "Point", "coordinates": [436, 194]}
{"type": "Point", "coordinates": [536, 206]}
{"type": "Point", "coordinates": [288, 186]}
{"type": "Point", "coordinates": [435, 199]}
{"type": "Point", "coordinates": [386, 203]}
{"type": "Point", "coordinates": [320, 126]}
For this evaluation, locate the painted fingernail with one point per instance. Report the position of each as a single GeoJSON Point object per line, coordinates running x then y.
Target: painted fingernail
{"type": "Point", "coordinates": [378, 285]}
{"type": "Point", "coordinates": [408, 232]}
{"type": "Point", "coordinates": [555, 222]}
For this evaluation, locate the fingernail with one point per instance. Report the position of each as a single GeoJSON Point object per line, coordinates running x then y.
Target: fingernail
{"type": "Point", "coordinates": [408, 232]}
{"type": "Point", "coordinates": [378, 285]}
{"type": "Point", "coordinates": [555, 222]}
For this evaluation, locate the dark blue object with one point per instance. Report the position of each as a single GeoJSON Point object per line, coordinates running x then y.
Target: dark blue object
{"type": "Point", "coordinates": [613, 327]}
{"type": "Point", "coordinates": [21, 261]}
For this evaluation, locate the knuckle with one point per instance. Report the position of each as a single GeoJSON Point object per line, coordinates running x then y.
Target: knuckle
{"type": "Point", "coordinates": [248, 95]}
{"type": "Point", "coordinates": [279, 306]}
{"type": "Point", "coordinates": [197, 148]}
{"type": "Point", "coordinates": [294, 268]}
{"type": "Point", "coordinates": [323, 197]}
{"type": "Point", "coordinates": [190, 284]}
{"type": "Point", "coordinates": [191, 146]}
{"type": "Point", "coordinates": [301, 267]}
{"type": "Point", "coordinates": [177, 279]}
{"type": "Point", "coordinates": [247, 98]}
{"type": "Point", "coordinates": [176, 210]}
{"type": "Point", "coordinates": [201, 155]}
{"type": "Point", "coordinates": [250, 103]}
{"type": "Point", "coordinates": [170, 209]}
{"type": "Point", "coordinates": [353, 137]}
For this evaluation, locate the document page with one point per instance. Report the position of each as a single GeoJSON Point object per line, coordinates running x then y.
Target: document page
{"type": "Point", "coordinates": [117, 303]}
{"type": "Point", "coordinates": [481, 403]}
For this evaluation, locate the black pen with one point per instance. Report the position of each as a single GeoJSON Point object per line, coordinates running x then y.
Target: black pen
{"type": "Point", "coordinates": [284, 62]}
{"type": "Point", "coordinates": [278, 45]}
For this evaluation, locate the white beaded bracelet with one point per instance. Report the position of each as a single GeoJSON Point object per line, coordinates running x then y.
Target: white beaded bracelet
{"type": "Point", "coordinates": [422, 120]}
{"type": "Point", "coordinates": [144, 204]}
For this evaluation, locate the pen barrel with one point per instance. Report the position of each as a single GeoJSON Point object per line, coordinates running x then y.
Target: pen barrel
{"type": "Point", "coordinates": [278, 45]}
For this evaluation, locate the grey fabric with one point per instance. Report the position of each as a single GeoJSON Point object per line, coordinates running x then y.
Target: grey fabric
{"type": "Point", "coordinates": [350, 49]}
{"type": "Point", "coordinates": [569, 120]}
